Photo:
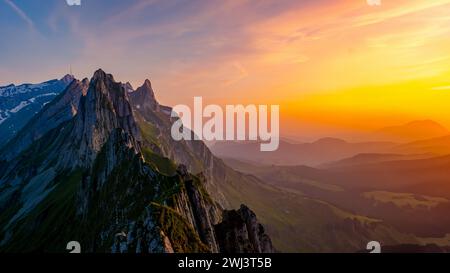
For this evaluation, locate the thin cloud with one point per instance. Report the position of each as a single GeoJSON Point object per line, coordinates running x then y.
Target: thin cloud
{"type": "Point", "coordinates": [242, 73]}
{"type": "Point", "coordinates": [20, 13]}
{"type": "Point", "coordinates": [131, 11]}
{"type": "Point", "coordinates": [375, 18]}
{"type": "Point", "coordinates": [438, 88]}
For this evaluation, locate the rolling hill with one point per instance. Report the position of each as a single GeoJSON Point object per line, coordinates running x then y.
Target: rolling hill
{"type": "Point", "coordinates": [311, 154]}
{"type": "Point", "coordinates": [412, 131]}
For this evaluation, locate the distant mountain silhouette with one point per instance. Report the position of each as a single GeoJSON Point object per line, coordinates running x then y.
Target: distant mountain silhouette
{"type": "Point", "coordinates": [312, 154]}
{"type": "Point", "coordinates": [412, 131]}
{"type": "Point", "coordinates": [374, 158]}
{"type": "Point", "coordinates": [429, 176]}
{"type": "Point", "coordinates": [437, 146]}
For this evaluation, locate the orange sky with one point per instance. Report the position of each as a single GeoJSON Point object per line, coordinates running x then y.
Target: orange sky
{"type": "Point", "coordinates": [334, 66]}
{"type": "Point", "coordinates": [349, 66]}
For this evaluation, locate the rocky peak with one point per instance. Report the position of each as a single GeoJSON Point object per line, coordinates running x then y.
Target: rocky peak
{"type": "Point", "coordinates": [144, 97]}
{"type": "Point", "coordinates": [85, 83]}
{"type": "Point", "coordinates": [128, 87]}
{"type": "Point", "coordinates": [240, 232]}
{"type": "Point", "coordinates": [148, 85]}
{"type": "Point", "coordinates": [104, 108]}
{"type": "Point", "coordinates": [74, 91]}
{"type": "Point", "coordinates": [67, 79]}
{"type": "Point", "coordinates": [105, 84]}
{"type": "Point", "coordinates": [101, 74]}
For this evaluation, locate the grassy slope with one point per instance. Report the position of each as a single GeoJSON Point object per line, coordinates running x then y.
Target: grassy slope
{"type": "Point", "coordinates": [184, 239]}
{"type": "Point", "coordinates": [53, 218]}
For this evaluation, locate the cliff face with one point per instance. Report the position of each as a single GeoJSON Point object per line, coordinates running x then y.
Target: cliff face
{"type": "Point", "coordinates": [155, 122]}
{"type": "Point", "coordinates": [240, 232]}
{"type": "Point", "coordinates": [144, 98]}
{"type": "Point", "coordinates": [104, 108]}
{"type": "Point", "coordinates": [102, 177]}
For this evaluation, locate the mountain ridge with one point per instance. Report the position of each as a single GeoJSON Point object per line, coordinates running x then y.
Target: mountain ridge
{"type": "Point", "coordinates": [100, 164]}
{"type": "Point", "coordinates": [315, 153]}
{"type": "Point", "coordinates": [20, 103]}
{"type": "Point", "coordinates": [411, 131]}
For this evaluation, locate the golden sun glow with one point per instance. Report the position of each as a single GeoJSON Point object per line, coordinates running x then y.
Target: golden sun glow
{"type": "Point", "coordinates": [353, 66]}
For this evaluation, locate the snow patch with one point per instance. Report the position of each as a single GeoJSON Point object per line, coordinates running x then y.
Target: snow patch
{"type": "Point", "coordinates": [12, 90]}
{"type": "Point", "coordinates": [46, 95]}
{"type": "Point", "coordinates": [3, 117]}
{"type": "Point", "coordinates": [19, 107]}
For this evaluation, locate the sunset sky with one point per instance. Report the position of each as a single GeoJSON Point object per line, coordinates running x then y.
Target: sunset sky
{"type": "Point", "coordinates": [335, 67]}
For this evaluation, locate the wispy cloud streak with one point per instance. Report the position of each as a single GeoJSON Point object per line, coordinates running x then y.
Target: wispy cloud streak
{"type": "Point", "coordinates": [21, 13]}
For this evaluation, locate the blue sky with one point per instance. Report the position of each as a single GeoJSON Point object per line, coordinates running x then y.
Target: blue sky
{"type": "Point", "coordinates": [165, 40]}
{"type": "Point", "coordinates": [45, 37]}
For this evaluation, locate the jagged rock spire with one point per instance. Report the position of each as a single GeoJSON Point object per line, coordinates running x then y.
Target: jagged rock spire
{"type": "Point", "coordinates": [144, 97]}
{"type": "Point", "coordinates": [103, 109]}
